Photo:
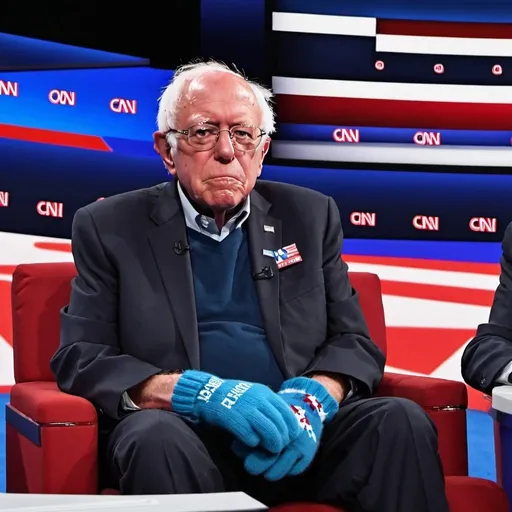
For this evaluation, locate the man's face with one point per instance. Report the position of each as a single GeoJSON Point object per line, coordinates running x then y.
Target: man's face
{"type": "Point", "coordinates": [219, 178]}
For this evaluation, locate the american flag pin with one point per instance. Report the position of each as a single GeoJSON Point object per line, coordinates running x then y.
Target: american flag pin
{"type": "Point", "coordinates": [268, 229]}
{"type": "Point", "coordinates": [286, 256]}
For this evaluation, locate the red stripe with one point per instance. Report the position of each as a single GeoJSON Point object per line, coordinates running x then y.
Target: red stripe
{"type": "Point", "coordinates": [423, 350]}
{"type": "Point", "coordinates": [453, 266]}
{"type": "Point", "coordinates": [477, 400]}
{"type": "Point", "coordinates": [445, 29]}
{"type": "Point", "coordinates": [293, 108]}
{"type": "Point", "coordinates": [438, 293]}
{"type": "Point", "coordinates": [53, 246]}
{"type": "Point", "coordinates": [5, 389]}
{"type": "Point", "coordinates": [73, 140]}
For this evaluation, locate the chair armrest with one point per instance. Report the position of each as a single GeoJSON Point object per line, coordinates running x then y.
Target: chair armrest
{"type": "Point", "coordinates": [52, 441]}
{"type": "Point", "coordinates": [428, 392]}
{"type": "Point", "coordinates": [44, 403]}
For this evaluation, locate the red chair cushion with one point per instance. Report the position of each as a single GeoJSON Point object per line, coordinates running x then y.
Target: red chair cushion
{"type": "Point", "coordinates": [425, 391]}
{"type": "Point", "coordinates": [39, 291]}
{"type": "Point", "coordinates": [370, 297]}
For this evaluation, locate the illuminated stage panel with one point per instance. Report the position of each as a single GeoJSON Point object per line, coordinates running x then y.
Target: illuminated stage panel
{"type": "Point", "coordinates": [74, 140]}
{"type": "Point", "coordinates": [393, 154]}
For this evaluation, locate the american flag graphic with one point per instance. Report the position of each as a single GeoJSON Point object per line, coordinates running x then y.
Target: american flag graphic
{"type": "Point", "coordinates": [351, 87]}
{"type": "Point", "coordinates": [313, 403]}
{"type": "Point", "coordinates": [432, 306]}
{"type": "Point", "coordinates": [302, 418]}
{"type": "Point", "coordinates": [288, 255]}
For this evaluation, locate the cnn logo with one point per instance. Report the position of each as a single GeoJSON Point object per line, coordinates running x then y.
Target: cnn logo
{"type": "Point", "coordinates": [60, 97]}
{"type": "Point", "coordinates": [4, 199]}
{"type": "Point", "coordinates": [122, 106]}
{"type": "Point", "coordinates": [8, 88]}
{"type": "Point", "coordinates": [427, 138]}
{"type": "Point", "coordinates": [363, 219]}
{"type": "Point", "coordinates": [346, 135]}
{"type": "Point", "coordinates": [425, 223]}
{"type": "Point", "coordinates": [50, 209]}
{"type": "Point", "coordinates": [483, 224]}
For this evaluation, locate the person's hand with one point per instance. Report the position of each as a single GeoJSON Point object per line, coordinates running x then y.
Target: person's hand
{"type": "Point", "coordinates": [312, 405]}
{"type": "Point", "coordinates": [252, 413]}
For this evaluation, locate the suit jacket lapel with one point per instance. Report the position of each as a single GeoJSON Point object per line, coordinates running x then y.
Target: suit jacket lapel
{"type": "Point", "coordinates": [267, 289]}
{"type": "Point", "coordinates": [175, 269]}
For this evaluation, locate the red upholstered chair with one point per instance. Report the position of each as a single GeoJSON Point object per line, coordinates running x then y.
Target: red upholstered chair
{"type": "Point", "coordinates": [51, 444]}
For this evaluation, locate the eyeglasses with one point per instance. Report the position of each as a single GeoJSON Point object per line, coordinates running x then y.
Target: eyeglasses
{"type": "Point", "coordinates": [205, 136]}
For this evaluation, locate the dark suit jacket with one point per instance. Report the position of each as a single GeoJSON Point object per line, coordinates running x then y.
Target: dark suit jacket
{"type": "Point", "coordinates": [491, 350]}
{"type": "Point", "coordinates": [132, 310]}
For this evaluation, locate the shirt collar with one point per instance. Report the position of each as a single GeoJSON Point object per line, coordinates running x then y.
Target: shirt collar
{"type": "Point", "coordinates": [206, 225]}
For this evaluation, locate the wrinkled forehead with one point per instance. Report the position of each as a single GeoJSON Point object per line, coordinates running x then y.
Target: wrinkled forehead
{"type": "Point", "coordinates": [220, 98]}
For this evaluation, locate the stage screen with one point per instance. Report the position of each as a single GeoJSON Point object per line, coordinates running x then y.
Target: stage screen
{"type": "Point", "coordinates": [393, 85]}
{"type": "Point", "coordinates": [400, 110]}
{"type": "Point", "coordinates": [76, 124]}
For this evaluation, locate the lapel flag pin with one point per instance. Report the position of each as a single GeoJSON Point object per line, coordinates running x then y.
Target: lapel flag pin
{"type": "Point", "coordinates": [287, 256]}
{"type": "Point", "coordinates": [268, 229]}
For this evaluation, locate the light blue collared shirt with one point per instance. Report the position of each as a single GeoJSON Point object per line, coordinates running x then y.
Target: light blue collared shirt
{"type": "Point", "coordinates": [206, 225]}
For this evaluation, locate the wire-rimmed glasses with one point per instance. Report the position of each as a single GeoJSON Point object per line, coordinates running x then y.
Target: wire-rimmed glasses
{"type": "Point", "coordinates": [204, 137]}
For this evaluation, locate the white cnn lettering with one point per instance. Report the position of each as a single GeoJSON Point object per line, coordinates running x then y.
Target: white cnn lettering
{"type": "Point", "coordinates": [426, 223]}
{"type": "Point", "coordinates": [8, 88]}
{"type": "Point", "coordinates": [122, 106]}
{"type": "Point", "coordinates": [363, 219]}
{"type": "Point", "coordinates": [50, 209]}
{"type": "Point", "coordinates": [4, 199]}
{"type": "Point", "coordinates": [234, 394]}
{"type": "Point", "coordinates": [427, 138]}
{"type": "Point", "coordinates": [483, 224]}
{"type": "Point", "coordinates": [60, 97]}
{"type": "Point", "coordinates": [350, 135]}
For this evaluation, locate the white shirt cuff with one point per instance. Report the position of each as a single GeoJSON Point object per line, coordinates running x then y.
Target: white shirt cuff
{"type": "Point", "coordinates": [127, 403]}
{"type": "Point", "coordinates": [503, 376]}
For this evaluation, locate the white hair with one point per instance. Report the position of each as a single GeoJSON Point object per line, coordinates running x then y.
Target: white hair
{"type": "Point", "coordinates": [171, 96]}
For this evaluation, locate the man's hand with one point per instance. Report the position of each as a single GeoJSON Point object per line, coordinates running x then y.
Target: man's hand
{"type": "Point", "coordinates": [312, 405]}
{"type": "Point", "coordinates": [154, 392]}
{"type": "Point", "coordinates": [252, 413]}
{"type": "Point", "coordinates": [338, 386]}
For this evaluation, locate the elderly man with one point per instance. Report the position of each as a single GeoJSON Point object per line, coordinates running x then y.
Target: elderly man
{"type": "Point", "coordinates": [214, 327]}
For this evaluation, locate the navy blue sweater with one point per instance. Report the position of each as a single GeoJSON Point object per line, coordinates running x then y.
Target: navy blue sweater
{"type": "Point", "coordinates": [233, 343]}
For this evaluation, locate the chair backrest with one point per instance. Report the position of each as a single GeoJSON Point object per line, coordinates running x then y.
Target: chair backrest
{"type": "Point", "coordinates": [40, 290]}
{"type": "Point", "coordinates": [369, 289]}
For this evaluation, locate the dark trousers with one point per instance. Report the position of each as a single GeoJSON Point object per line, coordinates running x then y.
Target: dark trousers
{"type": "Point", "coordinates": [377, 455]}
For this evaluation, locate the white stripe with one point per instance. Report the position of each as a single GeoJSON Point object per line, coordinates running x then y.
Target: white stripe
{"type": "Point", "coordinates": [451, 368]}
{"type": "Point", "coordinates": [22, 250]}
{"type": "Point", "coordinates": [292, 390]}
{"type": "Point", "coordinates": [431, 314]}
{"type": "Point", "coordinates": [392, 369]}
{"type": "Point", "coordinates": [467, 280]}
{"type": "Point", "coordinates": [444, 45]}
{"type": "Point", "coordinates": [6, 364]}
{"type": "Point", "coordinates": [483, 156]}
{"type": "Point", "coordinates": [324, 24]}
{"type": "Point", "coordinates": [392, 90]}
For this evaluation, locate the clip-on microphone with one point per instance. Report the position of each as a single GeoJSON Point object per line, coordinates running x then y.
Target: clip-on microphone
{"type": "Point", "coordinates": [180, 247]}
{"type": "Point", "coordinates": [265, 273]}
